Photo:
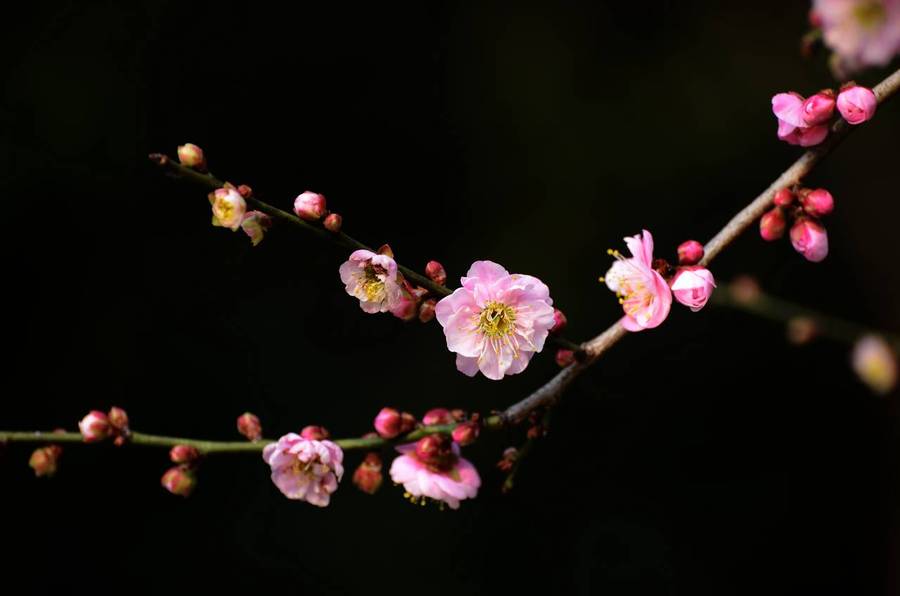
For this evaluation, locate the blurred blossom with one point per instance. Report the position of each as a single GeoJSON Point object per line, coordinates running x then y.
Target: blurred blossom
{"type": "Point", "coordinates": [875, 363]}
{"type": "Point", "coordinates": [861, 33]}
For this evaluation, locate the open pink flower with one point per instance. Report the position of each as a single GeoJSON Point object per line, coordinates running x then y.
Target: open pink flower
{"type": "Point", "coordinates": [496, 321]}
{"type": "Point", "coordinates": [372, 278]}
{"type": "Point", "coordinates": [793, 127]}
{"type": "Point", "coordinates": [228, 208]}
{"type": "Point", "coordinates": [451, 483]}
{"type": "Point", "coordinates": [304, 469]}
{"type": "Point", "coordinates": [644, 294]}
{"type": "Point", "coordinates": [860, 32]}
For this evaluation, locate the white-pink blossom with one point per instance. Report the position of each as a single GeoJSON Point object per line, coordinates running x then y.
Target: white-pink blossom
{"type": "Point", "coordinates": [372, 278]}
{"type": "Point", "coordinates": [861, 33]}
{"type": "Point", "coordinates": [451, 483]}
{"type": "Point", "coordinates": [644, 294]}
{"type": "Point", "coordinates": [228, 208]}
{"type": "Point", "coordinates": [304, 469]}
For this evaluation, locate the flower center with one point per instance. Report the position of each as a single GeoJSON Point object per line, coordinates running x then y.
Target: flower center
{"type": "Point", "coordinates": [373, 285]}
{"type": "Point", "coordinates": [226, 209]}
{"type": "Point", "coordinates": [869, 14]}
{"type": "Point", "coordinates": [496, 319]}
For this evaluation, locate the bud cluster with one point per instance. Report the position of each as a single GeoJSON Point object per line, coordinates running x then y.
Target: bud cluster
{"type": "Point", "coordinates": [803, 209]}
{"type": "Point", "coordinates": [97, 426]}
{"type": "Point", "coordinates": [807, 121]}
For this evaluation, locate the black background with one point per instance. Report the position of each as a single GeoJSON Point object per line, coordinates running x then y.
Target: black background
{"type": "Point", "coordinates": [706, 457]}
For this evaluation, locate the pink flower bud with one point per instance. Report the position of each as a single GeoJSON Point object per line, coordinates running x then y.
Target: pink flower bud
{"type": "Point", "coordinates": [559, 321]}
{"type": "Point", "coordinates": [184, 454]}
{"type": "Point", "coordinates": [818, 108]}
{"type": "Point", "coordinates": [435, 451]}
{"type": "Point", "coordinates": [466, 433]}
{"type": "Point", "coordinates": [875, 363]}
{"type": "Point", "coordinates": [333, 222]}
{"type": "Point", "coordinates": [857, 104]}
{"type": "Point", "coordinates": [801, 330]}
{"type": "Point", "coordinates": [95, 427]}
{"type": "Point", "coordinates": [228, 208]}
{"type": "Point", "coordinates": [190, 155]}
{"type": "Point", "coordinates": [179, 480]}
{"type": "Point", "coordinates": [118, 418]}
{"type": "Point", "coordinates": [315, 433]}
{"type": "Point", "coordinates": [771, 224]}
{"type": "Point", "coordinates": [436, 272]}
{"type": "Point", "coordinates": [564, 357]}
{"type": "Point", "coordinates": [255, 224]}
{"type": "Point", "coordinates": [309, 206]}
{"type": "Point", "coordinates": [388, 423]}
{"type": "Point", "coordinates": [407, 423]}
{"type": "Point", "coordinates": [437, 416]}
{"type": "Point", "coordinates": [810, 239]}
{"type": "Point", "coordinates": [692, 286]}
{"type": "Point", "coordinates": [245, 191]}
{"type": "Point", "coordinates": [690, 252]}
{"type": "Point", "coordinates": [817, 202]}
{"type": "Point", "coordinates": [249, 426]}
{"type": "Point", "coordinates": [45, 460]}
{"type": "Point", "coordinates": [784, 197]}
{"type": "Point", "coordinates": [368, 476]}
{"type": "Point", "coordinates": [426, 310]}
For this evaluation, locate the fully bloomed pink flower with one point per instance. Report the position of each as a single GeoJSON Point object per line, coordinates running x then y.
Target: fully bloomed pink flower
{"type": "Point", "coordinates": [793, 122]}
{"type": "Point", "coordinates": [228, 208]}
{"type": "Point", "coordinates": [644, 294]}
{"type": "Point", "coordinates": [372, 278]}
{"type": "Point", "coordinates": [305, 469]}
{"type": "Point", "coordinates": [496, 321]}
{"type": "Point", "coordinates": [861, 32]}
{"type": "Point", "coordinates": [454, 482]}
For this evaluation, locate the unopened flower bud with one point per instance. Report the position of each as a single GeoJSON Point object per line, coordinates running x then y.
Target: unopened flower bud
{"type": "Point", "coordinates": [245, 191]}
{"type": "Point", "coordinates": [810, 239]}
{"type": "Point", "coordinates": [559, 321]}
{"type": "Point", "coordinates": [436, 272]}
{"type": "Point", "coordinates": [857, 104]}
{"type": "Point", "coordinates": [801, 330]}
{"type": "Point", "coordinates": [407, 423]}
{"type": "Point", "coordinates": [510, 455]}
{"type": "Point", "coordinates": [309, 206]}
{"type": "Point", "coordinates": [249, 426]}
{"type": "Point", "coordinates": [817, 109]}
{"type": "Point", "coordinates": [690, 252]}
{"type": "Point", "coordinates": [118, 418]}
{"type": "Point", "coordinates": [875, 363]}
{"type": "Point", "coordinates": [179, 480]}
{"type": "Point", "coordinates": [437, 416]}
{"type": "Point", "coordinates": [745, 289]}
{"type": "Point", "coordinates": [466, 433]}
{"type": "Point", "coordinates": [333, 222]}
{"type": "Point", "coordinates": [190, 155]}
{"type": "Point", "coordinates": [184, 454]}
{"type": "Point", "coordinates": [388, 423]}
{"type": "Point", "coordinates": [45, 460]}
{"type": "Point", "coordinates": [817, 202]}
{"type": "Point", "coordinates": [692, 286]}
{"type": "Point", "coordinates": [772, 224]}
{"type": "Point", "coordinates": [458, 414]}
{"type": "Point", "coordinates": [406, 307]}
{"type": "Point", "coordinates": [95, 427]}
{"type": "Point", "coordinates": [386, 250]}
{"type": "Point", "coordinates": [434, 450]}
{"type": "Point", "coordinates": [426, 310]}
{"type": "Point", "coordinates": [368, 476]}
{"type": "Point", "coordinates": [784, 197]}
{"type": "Point", "coordinates": [564, 357]}
{"type": "Point", "coordinates": [315, 433]}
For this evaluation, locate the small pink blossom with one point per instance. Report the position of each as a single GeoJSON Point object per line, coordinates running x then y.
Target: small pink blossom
{"type": "Point", "coordinates": [644, 294]}
{"type": "Point", "coordinates": [255, 224]}
{"type": "Point", "coordinates": [450, 483]}
{"type": "Point", "coordinates": [305, 469]}
{"type": "Point", "coordinates": [810, 239]}
{"type": "Point", "coordinates": [792, 126]}
{"type": "Point", "coordinates": [372, 278]}
{"type": "Point", "coordinates": [496, 321]}
{"type": "Point", "coordinates": [857, 104]}
{"type": "Point", "coordinates": [692, 286]}
{"type": "Point", "coordinates": [862, 33]}
{"type": "Point", "coordinates": [95, 427]}
{"type": "Point", "coordinates": [228, 208]}
{"type": "Point", "coordinates": [309, 206]}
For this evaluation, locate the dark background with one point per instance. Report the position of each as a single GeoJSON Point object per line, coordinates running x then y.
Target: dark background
{"type": "Point", "coordinates": [705, 457]}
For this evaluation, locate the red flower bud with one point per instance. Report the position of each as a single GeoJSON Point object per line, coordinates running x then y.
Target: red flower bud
{"type": "Point", "coordinates": [559, 321]}
{"type": "Point", "coordinates": [45, 460]}
{"type": "Point", "coordinates": [179, 480]}
{"type": "Point", "coordinates": [466, 433]}
{"type": "Point", "coordinates": [564, 357]}
{"type": "Point", "coordinates": [784, 197]}
{"type": "Point", "coordinates": [190, 155]}
{"type": "Point", "coordinates": [810, 239]}
{"type": "Point", "coordinates": [510, 455]}
{"type": "Point", "coordinates": [333, 222]}
{"type": "Point", "coordinates": [118, 418]}
{"type": "Point", "coordinates": [772, 224]}
{"type": "Point", "coordinates": [249, 426]}
{"type": "Point", "coordinates": [690, 252]}
{"type": "Point", "coordinates": [184, 454]}
{"type": "Point", "coordinates": [388, 423]}
{"type": "Point", "coordinates": [426, 310]}
{"type": "Point", "coordinates": [817, 202]}
{"type": "Point", "coordinates": [309, 206]}
{"type": "Point", "coordinates": [407, 423]}
{"type": "Point", "coordinates": [368, 476]}
{"type": "Point", "coordinates": [95, 427]}
{"type": "Point", "coordinates": [315, 433]}
{"type": "Point", "coordinates": [435, 451]}
{"type": "Point", "coordinates": [437, 416]}
{"type": "Point", "coordinates": [436, 272]}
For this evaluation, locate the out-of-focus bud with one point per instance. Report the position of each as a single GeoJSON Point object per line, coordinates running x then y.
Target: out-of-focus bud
{"type": "Point", "coordinates": [458, 414]}
{"type": "Point", "coordinates": [118, 418]}
{"type": "Point", "coordinates": [772, 224]}
{"type": "Point", "coordinates": [184, 454]}
{"type": "Point", "coordinates": [690, 252]}
{"type": "Point", "coordinates": [179, 480]}
{"type": "Point", "coordinates": [692, 286]}
{"type": "Point", "coordinates": [810, 239]}
{"type": "Point", "coordinates": [801, 330]}
{"type": "Point", "coordinates": [310, 206]}
{"type": "Point", "coordinates": [333, 222]}
{"type": "Point", "coordinates": [564, 357]}
{"type": "Point", "coordinates": [856, 104]}
{"type": "Point", "coordinates": [436, 272]}
{"type": "Point", "coordinates": [426, 310]}
{"type": "Point", "coordinates": [249, 426]}
{"type": "Point", "coordinates": [45, 460]}
{"type": "Point", "coordinates": [745, 289]}
{"type": "Point", "coordinates": [95, 427]}
{"type": "Point", "coordinates": [875, 363]}
{"type": "Point", "coordinates": [817, 202]}
{"type": "Point", "coordinates": [510, 455]}
{"type": "Point", "coordinates": [784, 197]}
{"type": "Point", "coordinates": [437, 416]}
{"type": "Point", "coordinates": [315, 433]}
{"type": "Point", "coordinates": [466, 433]}
{"type": "Point", "coordinates": [368, 476]}
{"type": "Point", "coordinates": [817, 109]}
{"type": "Point", "coordinates": [190, 155]}
{"type": "Point", "coordinates": [245, 191]}
{"type": "Point", "coordinates": [559, 321]}
{"type": "Point", "coordinates": [435, 450]}
{"type": "Point", "coordinates": [407, 423]}
{"type": "Point", "coordinates": [388, 423]}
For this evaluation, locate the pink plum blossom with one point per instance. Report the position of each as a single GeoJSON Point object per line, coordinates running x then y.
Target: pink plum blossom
{"type": "Point", "coordinates": [692, 286]}
{"type": "Point", "coordinates": [861, 33]}
{"type": "Point", "coordinates": [228, 208]}
{"type": "Point", "coordinates": [857, 104]}
{"type": "Point", "coordinates": [451, 483]}
{"type": "Point", "coordinates": [496, 321]}
{"type": "Point", "coordinates": [792, 125]}
{"type": "Point", "coordinates": [255, 224]}
{"type": "Point", "coordinates": [372, 278]}
{"type": "Point", "coordinates": [644, 294]}
{"type": "Point", "coordinates": [304, 469]}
